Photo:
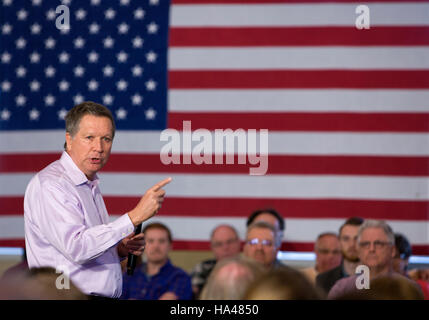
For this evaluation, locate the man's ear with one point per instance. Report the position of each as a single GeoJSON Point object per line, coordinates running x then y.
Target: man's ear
{"type": "Point", "coordinates": [394, 252]}
{"type": "Point", "coordinates": [69, 140]}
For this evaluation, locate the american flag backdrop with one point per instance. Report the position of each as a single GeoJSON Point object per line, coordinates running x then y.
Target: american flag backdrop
{"type": "Point", "coordinates": [347, 110]}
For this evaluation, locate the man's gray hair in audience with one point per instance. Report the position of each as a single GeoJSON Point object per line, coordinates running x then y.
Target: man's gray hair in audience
{"type": "Point", "coordinates": [381, 224]}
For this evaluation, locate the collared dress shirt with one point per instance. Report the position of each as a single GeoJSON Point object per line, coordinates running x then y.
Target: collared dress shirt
{"type": "Point", "coordinates": [67, 227]}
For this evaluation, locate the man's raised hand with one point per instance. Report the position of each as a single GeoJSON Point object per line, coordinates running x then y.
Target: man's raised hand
{"type": "Point", "coordinates": [149, 204]}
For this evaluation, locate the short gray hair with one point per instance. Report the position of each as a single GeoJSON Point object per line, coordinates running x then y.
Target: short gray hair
{"type": "Point", "coordinates": [377, 224]}
{"type": "Point", "coordinates": [265, 225]}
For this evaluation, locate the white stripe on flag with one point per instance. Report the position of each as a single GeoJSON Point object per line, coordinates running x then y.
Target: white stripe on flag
{"type": "Point", "coordinates": [269, 186]}
{"type": "Point", "coordinates": [301, 100]}
{"type": "Point", "coordinates": [314, 14]}
{"type": "Point", "coordinates": [280, 143]}
{"type": "Point", "coordinates": [310, 58]}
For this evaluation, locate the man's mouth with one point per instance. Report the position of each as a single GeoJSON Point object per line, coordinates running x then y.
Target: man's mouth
{"type": "Point", "coordinates": [95, 160]}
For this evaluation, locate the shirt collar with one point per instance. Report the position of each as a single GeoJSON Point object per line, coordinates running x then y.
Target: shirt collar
{"type": "Point", "coordinates": [75, 174]}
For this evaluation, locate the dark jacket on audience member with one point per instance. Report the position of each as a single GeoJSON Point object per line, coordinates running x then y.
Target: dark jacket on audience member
{"type": "Point", "coordinates": [327, 279]}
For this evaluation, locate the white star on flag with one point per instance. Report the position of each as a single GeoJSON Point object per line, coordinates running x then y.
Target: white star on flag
{"type": "Point", "coordinates": [64, 57]}
{"type": "Point", "coordinates": [35, 85]}
{"type": "Point", "coordinates": [5, 114]}
{"type": "Point", "coordinates": [110, 14]}
{"type": "Point", "coordinates": [139, 14]}
{"type": "Point", "coordinates": [49, 100]}
{"type": "Point", "coordinates": [79, 71]}
{"type": "Point", "coordinates": [92, 85]}
{"type": "Point", "coordinates": [137, 42]}
{"type": "Point", "coordinates": [34, 114]}
{"type": "Point", "coordinates": [121, 114]}
{"type": "Point", "coordinates": [108, 71]}
{"type": "Point", "coordinates": [36, 28]}
{"type": "Point", "coordinates": [108, 42]}
{"type": "Point", "coordinates": [150, 85]}
{"type": "Point", "coordinates": [20, 100]}
{"type": "Point", "coordinates": [6, 85]}
{"type": "Point", "coordinates": [62, 114]}
{"type": "Point", "coordinates": [6, 57]}
{"type": "Point", "coordinates": [78, 98]}
{"type": "Point", "coordinates": [34, 57]}
{"type": "Point", "coordinates": [152, 28]}
{"type": "Point", "coordinates": [108, 99]}
{"type": "Point", "coordinates": [50, 43]}
{"type": "Point", "coordinates": [6, 29]}
{"type": "Point", "coordinates": [150, 114]}
{"type": "Point", "coordinates": [137, 99]}
{"type": "Point", "coordinates": [151, 57]}
{"type": "Point", "coordinates": [21, 72]}
{"type": "Point", "coordinates": [64, 85]}
{"type": "Point", "coordinates": [137, 71]}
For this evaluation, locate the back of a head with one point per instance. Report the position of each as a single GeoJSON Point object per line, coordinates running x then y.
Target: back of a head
{"type": "Point", "coordinates": [283, 284]}
{"type": "Point", "coordinates": [230, 279]}
{"type": "Point", "coordinates": [42, 284]}
{"type": "Point", "coordinates": [403, 246]}
{"type": "Point", "coordinates": [272, 212]}
{"type": "Point", "coordinates": [387, 288]}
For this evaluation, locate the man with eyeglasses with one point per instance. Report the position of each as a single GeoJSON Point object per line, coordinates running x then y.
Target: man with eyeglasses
{"type": "Point", "coordinates": [262, 244]}
{"type": "Point", "coordinates": [224, 243]}
{"type": "Point", "coordinates": [348, 236]}
{"type": "Point", "coordinates": [376, 250]}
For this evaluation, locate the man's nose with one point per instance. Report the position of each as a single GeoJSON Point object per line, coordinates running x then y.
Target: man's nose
{"type": "Point", "coordinates": [98, 145]}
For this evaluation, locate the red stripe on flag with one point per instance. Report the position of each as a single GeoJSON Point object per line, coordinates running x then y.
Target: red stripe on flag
{"type": "Point", "coordinates": [294, 36]}
{"type": "Point", "coordinates": [242, 207]}
{"type": "Point", "coordinates": [278, 164]}
{"type": "Point", "coordinates": [305, 121]}
{"type": "Point", "coordinates": [293, 79]}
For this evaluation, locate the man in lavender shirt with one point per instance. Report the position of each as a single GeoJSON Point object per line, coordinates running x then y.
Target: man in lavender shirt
{"type": "Point", "coordinates": [67, 226]}
{"type": "Point", "coordinates": [376, 250]}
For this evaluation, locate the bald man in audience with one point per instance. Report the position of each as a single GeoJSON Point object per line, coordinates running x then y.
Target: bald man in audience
{"type": "Point", "coordinates": [328, 255]}
{"type": "Point", "coordinates": [224, 243]}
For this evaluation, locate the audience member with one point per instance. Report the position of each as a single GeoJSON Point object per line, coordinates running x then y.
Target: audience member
{"type": "Point", "coordinates": [224, 243]}
{"type": "Point", "coordinates": [283, 284]}
{"type": "Point", "coordinates": [376, 251]}
{"type": "Point", "coordinates": [401, 260]}
{"type": "Point", "coordinates": [270, 216]}
{"type": "Point", "coordinates": [230, 279]}
{"type": "Point", "coordinates": [348, 235]}
{"type": "Point", "coordinates": [157, 278]}
{"type": "Point", "coordinates": [262, 244]}
{"type": "Point", "coordinates": [20, 267]}
{"type": "Point", "coordinates": [386, 288]}
{"type": "Point", "coordinates": [328, 255]}
{"type": "Point", "coordinates": [43, 283]}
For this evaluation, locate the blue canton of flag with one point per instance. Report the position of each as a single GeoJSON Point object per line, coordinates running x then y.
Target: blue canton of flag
{"type": "Point", "coordinates": [114, 53]}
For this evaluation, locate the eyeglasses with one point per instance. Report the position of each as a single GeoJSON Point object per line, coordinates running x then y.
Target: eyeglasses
{"type": "Point", "coordinates": [264, 242]}
{"type": "Point", "coordinates": [218, 244]}
{"type": "Point", "coordinates": [377, 244]}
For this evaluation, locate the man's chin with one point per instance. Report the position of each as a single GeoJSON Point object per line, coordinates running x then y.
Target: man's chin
{"type": "Point", "coordinates": [352, 259]}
